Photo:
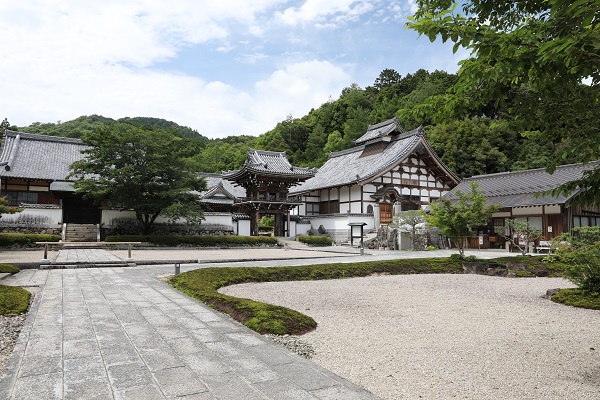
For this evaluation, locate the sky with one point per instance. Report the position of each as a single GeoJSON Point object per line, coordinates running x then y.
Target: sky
{"type": "Point", "coordinates": [221, 67]}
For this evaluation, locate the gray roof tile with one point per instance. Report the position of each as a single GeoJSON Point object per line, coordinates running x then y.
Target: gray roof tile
{"type": "Point", "coordinates": [271, 162]}
{"type": "Point", "coordinates": [32, 156]}
{"type": "Point", "coordinates": [348, 167]}
{"type": "Point", "coordinates": [380, 130]}
{"type": "Point", "coordinates": [214, 181]}
{"type": "Point", "coordinates": [518, 189]}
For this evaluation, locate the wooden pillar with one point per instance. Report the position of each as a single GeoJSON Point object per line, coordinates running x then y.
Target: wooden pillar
{"type": "Point", "coordinates": [254, 223]}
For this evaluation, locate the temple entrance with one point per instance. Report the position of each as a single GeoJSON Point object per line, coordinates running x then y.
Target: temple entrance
{"type": "Point", "coordinates": [386, 214]}
{"type": "Point", "coordinates": [79, 211]}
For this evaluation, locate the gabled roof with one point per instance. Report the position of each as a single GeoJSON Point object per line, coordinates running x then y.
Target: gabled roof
{"type": "Point", "coordinates": [219, 190]}
{"type": "Point", "coordinates": [518, 189]}
{"type": "Point", "coordinates": [380, 130]}
{"type": "Point", "coordinates": [353, 167]}
{"type": "Point", "coordinates": [32, 156]}
{"type": "Point", "coordinates": [269, 163]}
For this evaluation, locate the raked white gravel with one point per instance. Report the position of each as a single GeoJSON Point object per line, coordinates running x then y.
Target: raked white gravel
{"type": "Point", "coordinates": [447, 336]}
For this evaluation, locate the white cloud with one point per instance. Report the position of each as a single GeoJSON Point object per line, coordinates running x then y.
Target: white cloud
{"type": "Point", "coordinates": [66, 58]}
{"type": "Point", "coordinates": [297, 88]}
{"type": "Point", "coordinates": [324, 13]}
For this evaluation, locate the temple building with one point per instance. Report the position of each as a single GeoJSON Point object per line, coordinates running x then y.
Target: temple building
{"type": "Point", "coordinates": [388, 171]}
{"type": "Point", "coordinates": [267, 177]}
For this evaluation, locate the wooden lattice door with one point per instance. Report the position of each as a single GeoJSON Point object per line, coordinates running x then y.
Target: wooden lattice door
{"type": "Point", "coordinates": [385, 213]}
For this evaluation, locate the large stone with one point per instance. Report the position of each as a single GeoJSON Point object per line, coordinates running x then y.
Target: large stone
{"type": "Point", "coordinates": [497, 271]}
{"type": "Point", "coordinates": [474, 268]}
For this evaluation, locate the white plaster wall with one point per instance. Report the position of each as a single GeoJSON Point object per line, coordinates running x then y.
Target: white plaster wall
{"type": "Point", "coordinates": [243, 227]}
{"type": "Point", "coordinates": [217, 220]}
{"type": "Point", "coordinates": [109, 215]}
{"type": "Point", "coordinates": [54, 215]}
{"type": "Point", "coordinates": [302, 229]}
{"type": "Point", "coordinates": [340, 222]}
{"type": "Point", "coordinates": [527, 211]}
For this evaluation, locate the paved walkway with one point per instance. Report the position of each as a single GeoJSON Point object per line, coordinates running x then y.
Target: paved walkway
{"type": "Point", "coordinates": [122, 333]}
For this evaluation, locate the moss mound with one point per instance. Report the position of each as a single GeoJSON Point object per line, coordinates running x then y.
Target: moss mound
{"type": "Point", "coordinates": [202, 284]}
{"type": "Point", "coordinates": [578, 298]}
{"type": "Point", "coordinates": [13, 300]}
{"type": "Point", "coordinates": [11, 269]}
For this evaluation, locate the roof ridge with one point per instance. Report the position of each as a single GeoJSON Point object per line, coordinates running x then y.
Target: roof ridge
{"type": "Point", "coordinates": [525, 171]}
{"type": "Point", "coordinates": [44, 138]}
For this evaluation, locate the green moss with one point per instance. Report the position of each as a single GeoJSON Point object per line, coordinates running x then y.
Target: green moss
{"type": "Point", "coordinates": [577, 298]}
{"type": "Point", "coordinates": [521, 273]}
{"type": "Point", "coordinates": [13, 300]}
{"type": "Point", "coordinates": [11, 269]}
{"type": "Point", "coordinates": [203, 284]}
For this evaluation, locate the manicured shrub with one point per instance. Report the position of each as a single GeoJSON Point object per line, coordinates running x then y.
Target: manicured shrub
{"type": "Point", "coordinates": [25, 240]}
{"type": "Point", "coordinates": [197, 241]}
{"type": "Point", "coordinates": [315, 240]}
{"type": "Point", "coordinates": [11, 269]}
{"type": "Point", "coordinates": [13, 300]}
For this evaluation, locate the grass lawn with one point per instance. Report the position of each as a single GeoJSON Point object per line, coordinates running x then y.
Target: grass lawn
{"type": "Point", "coordinates": [202, 284]}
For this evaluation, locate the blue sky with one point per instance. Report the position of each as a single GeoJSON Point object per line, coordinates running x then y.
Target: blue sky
{"type": "Point", "coordinates": [225, 67]}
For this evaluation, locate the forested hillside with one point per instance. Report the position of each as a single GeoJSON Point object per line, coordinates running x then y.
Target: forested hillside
{"type": "Point", "coordinates": [482, 140]}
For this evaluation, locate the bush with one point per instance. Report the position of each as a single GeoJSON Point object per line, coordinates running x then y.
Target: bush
{"type": "Point", "coordinates": [583, 257]}
{"type": "Point", "coordinates": [202, 284]}
{"type": "Point", "coordinates": [196, 240]}
{"type": "Point", "coordinates": [315, 240]}
{"type": "Point", "coordinates": [25, 240]}
{"type": "Point", "coordinates": [13, 300]}
{"type": "Point", "coordinates": [11, 269]}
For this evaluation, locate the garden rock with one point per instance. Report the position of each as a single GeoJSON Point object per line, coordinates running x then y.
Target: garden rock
{"type": "Point", "coordinates": [474, 268]}
{"type": "Point", "coordinates": [497, 271]}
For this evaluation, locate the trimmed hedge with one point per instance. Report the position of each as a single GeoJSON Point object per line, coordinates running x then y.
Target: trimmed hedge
{"type": "Point", "coordinates": [315, 240]}
{"type": "Point", "coordinates": [25, 239]}
{"type": "Point", "coordinates": [197, 240]}
{"type": "Point", "coordinates": [11, 269]}
{"type": "Point", "coordinates": [202, 284]}
{"type": "Point", "coordinates": [13, 300]}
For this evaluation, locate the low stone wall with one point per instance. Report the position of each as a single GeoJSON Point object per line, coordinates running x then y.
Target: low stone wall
{"type": "Point", "coordinates": [30, 229]}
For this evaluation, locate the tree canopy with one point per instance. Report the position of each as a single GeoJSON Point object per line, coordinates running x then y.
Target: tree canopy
{"type": "Point", "coordinates": [139, 168]}
{"type": "Point", "coordinates": [461, 218]}
{"type": "Point", "coordinates": [538, 60]}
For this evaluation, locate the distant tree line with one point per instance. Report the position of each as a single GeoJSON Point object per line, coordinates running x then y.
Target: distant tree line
{"type": "Point", "coordinates": [482, 139]}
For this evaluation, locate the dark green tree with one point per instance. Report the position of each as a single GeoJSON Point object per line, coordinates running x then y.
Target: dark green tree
{"type": "Point", "coordinates": [532, 57]}
{"type": "Point", "coordinates": [4, 125]}
{"type": "Point", "coordinates": [139, 168]}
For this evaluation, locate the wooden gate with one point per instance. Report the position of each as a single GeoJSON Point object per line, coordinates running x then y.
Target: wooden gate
{"type": "Point", "coordinates": [385, 213]}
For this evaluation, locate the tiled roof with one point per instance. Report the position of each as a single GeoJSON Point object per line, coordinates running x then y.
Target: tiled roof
{"type": "Point", "coordinates": [270, 163]}
{"type": "Point", "coordinates": [216, 184]}
{"type": "Point", "coordinates": [518, 189]}
{"type": "Point", "coordinates": [349, 167]}
{"type": "Point", "coordinates": [380, 130]}
{"type": "Point", "coordinates": [31, 156]}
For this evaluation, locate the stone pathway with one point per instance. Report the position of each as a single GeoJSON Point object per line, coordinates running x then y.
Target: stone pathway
{"type": "Point", "coordinates": [85, 256]}
{"type": "Point", "coordinates": [120, 333]}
